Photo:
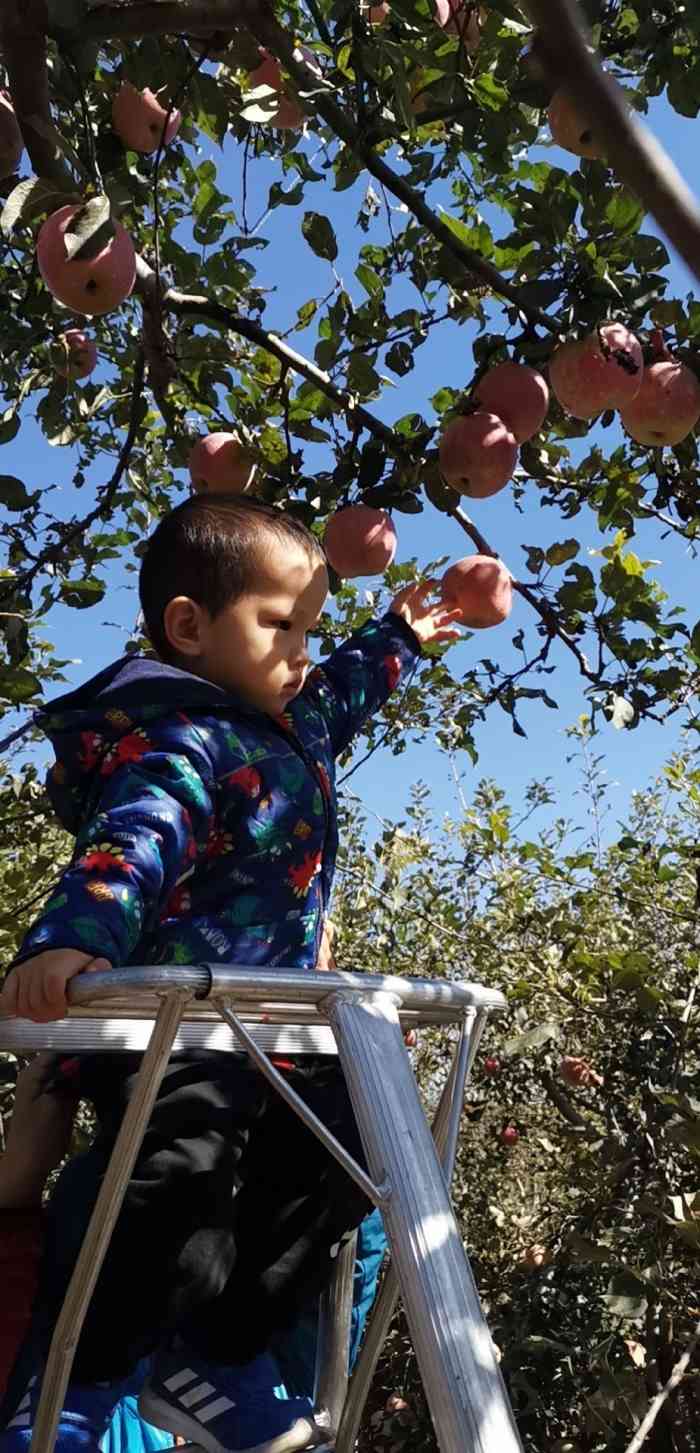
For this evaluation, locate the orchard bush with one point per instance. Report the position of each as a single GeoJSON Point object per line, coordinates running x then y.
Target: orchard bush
{"type": "Point", "coordinates": [584, 1226]}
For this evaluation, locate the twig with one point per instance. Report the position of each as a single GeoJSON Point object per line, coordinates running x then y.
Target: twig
{"type": "Point", "coordinates": [656, 1405]}
{"type": "Point", "coordinates": [562, 47]}
{"type": "Point", "coordinates": [320, 24]}
{"type": "Point", "coordinates": [196, 306]}
{"type": "Point", "coordinates": [542, 607]}
{"type": "Point", "coordinates": [566, 1109]}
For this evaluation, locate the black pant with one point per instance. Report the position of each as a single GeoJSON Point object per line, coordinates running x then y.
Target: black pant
{"type": "Point", "coordinates": [231, 1219]}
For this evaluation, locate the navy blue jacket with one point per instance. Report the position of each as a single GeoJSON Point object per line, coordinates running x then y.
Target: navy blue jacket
{"type": "Point", "coordinates": [205, 829]}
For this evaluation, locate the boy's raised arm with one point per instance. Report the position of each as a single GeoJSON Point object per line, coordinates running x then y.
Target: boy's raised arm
{"type": "Point", "coordinates": [359, 676]}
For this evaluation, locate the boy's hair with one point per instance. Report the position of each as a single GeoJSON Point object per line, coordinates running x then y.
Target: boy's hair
{"type": "Point", "coordinates": [211, 548]}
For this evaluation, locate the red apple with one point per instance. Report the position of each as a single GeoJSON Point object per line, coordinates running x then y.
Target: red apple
{"type": "Point", "coordinates": [289, 115]}
{"type": "Point", "coordinates": [510, 1135]}
{"type": "Point", "coordinates": [462, 18]}
{"type": "Point", "coordinates": [667, 407]}
{"type": "Point", "coordinates": [140, 120]}
{"type": "Point", "coordinates": [359, 541]}
{"type": "Point", "coordinates": [478, 454]}
{"type": "Point", "coordinates": [576, 1071]}
{"type": "Point", "coordinates": [603, 371]}
{"type": "Point", "coordinates": [481, 588]}
{"type": "Point", "coordinates": [516, 394]}
{"type": "Point", "coordinates": [535, 1256]}
{"type": "Point", "coordinates": [570, 129]}
{"type": "Point", "coordinates": [76, 354]}
{"type": "Point", "coordinates": [92, 285]}
{"type": "Point", "coordinates": [492, 1066]}
{"type": "Point", "coordinates": [221, 464]}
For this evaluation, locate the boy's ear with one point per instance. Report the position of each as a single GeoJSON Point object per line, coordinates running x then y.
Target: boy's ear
{"type": "Point", "coordinates": [184, 622]}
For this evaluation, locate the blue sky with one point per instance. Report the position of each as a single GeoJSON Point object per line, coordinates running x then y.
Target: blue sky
{"type": "Point", "coordinates": [293, 274]}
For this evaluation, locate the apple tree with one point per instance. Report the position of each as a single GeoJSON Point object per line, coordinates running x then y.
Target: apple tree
{"type": "Point", "coordinates": [576, 1180]}
{"type": "Point", "coordinates": [493, 186]}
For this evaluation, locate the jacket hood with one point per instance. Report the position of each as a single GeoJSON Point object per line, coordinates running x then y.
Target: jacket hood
{"type": "Point", "coordinates": [84, 724]}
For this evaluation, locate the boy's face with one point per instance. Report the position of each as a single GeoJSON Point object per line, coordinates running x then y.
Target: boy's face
{"type": "Point", "coordinates": [257, 646]}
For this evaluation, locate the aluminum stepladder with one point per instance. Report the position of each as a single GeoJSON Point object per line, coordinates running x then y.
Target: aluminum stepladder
{"type": "Point", "coordinates": [160, 1010]}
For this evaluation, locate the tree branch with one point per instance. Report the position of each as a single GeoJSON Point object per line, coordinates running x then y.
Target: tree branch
{"type": "Point", "coordinates": [562, 47]}
{"type": "Point", "coordinates": [265, 27]}
{"type": "Point", "coordinates": [566, 1109]}
{"type": "Point", "coordinates": [541, 607]}
{"type": "Point", "coordinates": [23, 29]}
{"type": "Point", "coordinates": [655, 1407]}
{"type": "Point", "coordinates": [195, 306]}
{"type": "Point", "coordinates": [121, 21]}
{"type": "Point", "coordinates": [192, 17]}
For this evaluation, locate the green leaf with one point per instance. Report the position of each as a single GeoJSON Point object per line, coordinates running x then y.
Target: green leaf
{"type": "Point", "coordinates": [29, 199]}
{"type": "Point", "coordinates": [370, 280]}
{"type": "Point", "coordinates": [18, 685]}
{"type": "Point", "coordinates": [285, 197]}
{"type": "Point", "coordinates": [626, 1296]}
{"type": "Point", "coordinates": [306, 312]}
{"type": "Point", "coordinates": [13, 493]}
{"type": "Point", "coordinates": [9, 425]}
{"type": "Point", "coordinates": [320, 235]}
{"type": "Point", "coordinates": [362, 377]}
{"type": "Point", "coordinates": [477, 238]}
{"type": "Point", "coordinates": [624, 212]}
{"type": "Point", "coordinates": [90, 230]}
{"type": "Point", "coordinates": [695, 642]}
{"type": "Point", "coordinates": [559, 554]}
{"type": "Point", "coordinates": [532, 1039]}
{"type": "Point", "coordinates": [82, 593]}
{"type": "Point", "coordinates": [400, 358]}
{"type": "Point", "coordinates": [684, 1132]}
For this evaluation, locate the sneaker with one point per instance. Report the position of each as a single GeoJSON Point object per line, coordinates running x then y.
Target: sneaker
{"type": "Point", "coordinates": [85, 1416]}
{"type": "Point", "coordinates": [225, 1409]}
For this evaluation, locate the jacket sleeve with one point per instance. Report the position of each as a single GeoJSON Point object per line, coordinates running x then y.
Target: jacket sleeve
{"type": "Point", "coordinates": [357, 678]}
{"type": "Point", "coordinates": [152, 817]}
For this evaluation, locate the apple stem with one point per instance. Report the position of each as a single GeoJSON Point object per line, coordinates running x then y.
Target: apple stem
{"type": "Point", "coordinates": [658, 345]}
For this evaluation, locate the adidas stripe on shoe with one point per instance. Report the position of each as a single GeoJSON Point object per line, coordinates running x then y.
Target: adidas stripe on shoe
{"type": "Point", "coordinates": [226, 1409]}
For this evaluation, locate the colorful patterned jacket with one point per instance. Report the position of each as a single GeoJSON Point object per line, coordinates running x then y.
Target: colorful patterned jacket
{"type": "Point", "coordinates": [205, 830]}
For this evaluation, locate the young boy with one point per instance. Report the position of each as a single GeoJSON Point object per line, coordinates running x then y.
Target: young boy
{"type": "Point", "coordinates": [200, 790]}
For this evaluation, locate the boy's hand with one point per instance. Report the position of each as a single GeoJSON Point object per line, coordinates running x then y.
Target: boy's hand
{"type": "Point", "coordinates": [36, 989]}
{"type": "Point", "coordinates": [429, 622]}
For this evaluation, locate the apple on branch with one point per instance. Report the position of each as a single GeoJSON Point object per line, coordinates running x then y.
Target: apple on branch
{"type": "Point", "coordinates": [570, 129]}
{"type": "Point", "coordinates": [359, 540]}
{"type": "Point", "coordinates": [90, 285]}
{"type": "Point", "coordinates": [76, 354]}
{"type": "Point", "coordinates": [220, 464]}
{"type": "Point", "coordinates": [481, 588]}
{"type": "Point", "coordinates": [517, 394]}
{"type": "Point", "coordinates": [478, 453]}
{"type": "Point", "coordinates": [140, 121]}
{"type": "Point", "coordinates": [602, 371]}
{"type": "Point", "coordinates": [667, 407]}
